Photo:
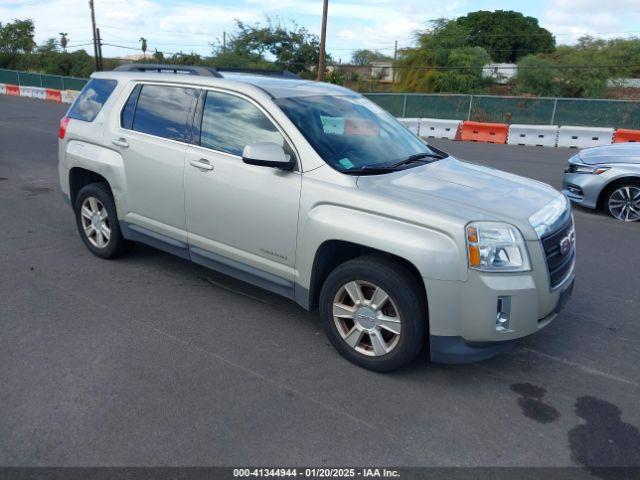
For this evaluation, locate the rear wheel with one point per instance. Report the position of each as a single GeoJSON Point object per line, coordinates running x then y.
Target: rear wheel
{"type": "Point", "coordinates": [97, 222]}
{"type": "Point", "coordinates": [374, 313]}
{"type": "Point", "coordinates": [624, 202]}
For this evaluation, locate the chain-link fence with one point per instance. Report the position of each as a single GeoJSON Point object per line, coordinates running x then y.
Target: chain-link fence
{"type": "Point", "coordinates": [526, 110]}
{"type": "Point", "coordinates": [27, 79]}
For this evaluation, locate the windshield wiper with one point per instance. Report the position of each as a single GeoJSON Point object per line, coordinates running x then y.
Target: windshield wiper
{"type": "Point", "coordinates": [417, 157]}
{"type": "Point", "coordinates": [369, 169]}
{"type": "Point", "coordinates": [394, 167]}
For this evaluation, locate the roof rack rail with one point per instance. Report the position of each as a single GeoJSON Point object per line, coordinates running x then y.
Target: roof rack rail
{"type": "Point", "coordinates": [260, 71]}
{"type": "Point", "coordinates": [165, 68]}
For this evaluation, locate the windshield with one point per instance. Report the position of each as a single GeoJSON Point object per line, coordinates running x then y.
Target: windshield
{"type": "Point", "coordinates": [351, 133]}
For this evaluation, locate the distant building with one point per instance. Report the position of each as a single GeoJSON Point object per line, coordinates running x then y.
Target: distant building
{"type": "Point", "coordinates": [500, 72]}
{"type": "Point", "coordinates": [623, 82]}
{"type": "Point", "coordinates": [135, 57]}
{"type": "Point", "coordinates": [383, 71]}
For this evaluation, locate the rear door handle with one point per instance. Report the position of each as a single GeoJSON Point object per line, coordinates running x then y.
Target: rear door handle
{"type": "Point", "coordinates": [202, 164]}
{"type": "Point", "coordinates": [121, 142]}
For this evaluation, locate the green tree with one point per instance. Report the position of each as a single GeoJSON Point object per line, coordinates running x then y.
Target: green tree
{"type": "Point", "coordinates": [538, 75]}
{"type": "Point", "coordinates": [506, 35]}
{"type": "Point", "coordinates": [442, 61]}
{"type": "Point", "coordinates": [64, 41]}
{"type": "Point", "coordinates": [143, 46]}
{"type": "Point", "coordinates": [293, 47]}
{"type": "Point", "coordinates": [465, 70]}
{"type": "Point", "coordinates": [365, 56]}
{"type": "Point", "coordinates": [17, 37]}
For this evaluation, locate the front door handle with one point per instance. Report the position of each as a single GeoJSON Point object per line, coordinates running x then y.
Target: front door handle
{"type": "Point", "coordinates": [121, 142]}
{"type": "Point", "coordinates": [202, 164]}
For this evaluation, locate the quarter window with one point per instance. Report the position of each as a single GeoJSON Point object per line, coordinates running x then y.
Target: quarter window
{"type": "Point", "coordinates": [163, 111]}
{"type": "Point", "coordinates": [90, 101]}
{"type": "Point", "coordinates": [229, 123]}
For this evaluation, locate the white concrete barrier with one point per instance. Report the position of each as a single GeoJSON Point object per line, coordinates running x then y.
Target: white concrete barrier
{"type": "Point", "coordinates": [413, 124]}
{"type": "Point", "coordinates": [3, 89]}
{"type": "Point", "coordinates": [26, 91]}
{"type": "Point", "coordinates": [584, 137]}
{"type": "Point", "coordinates": [37, 92]}
{"type": "Point", "coordinates": [68, 96]}
{"type": "Point", "coordinates": [536, 135]}
{"type": "Point", "coordinates": [438, 128]}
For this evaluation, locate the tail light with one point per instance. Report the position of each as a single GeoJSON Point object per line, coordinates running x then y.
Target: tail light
{"type": "Point", "coordinates": [64, 121]}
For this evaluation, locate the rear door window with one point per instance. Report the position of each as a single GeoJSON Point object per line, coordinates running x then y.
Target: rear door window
{"type": "Point", "coordinates": [91, 99]}
{"type": "Point", "coordinates": [163, 111]}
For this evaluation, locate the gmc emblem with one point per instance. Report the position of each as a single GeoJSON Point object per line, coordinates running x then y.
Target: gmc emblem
{"type": "Point", "coordinates": [567, 242]}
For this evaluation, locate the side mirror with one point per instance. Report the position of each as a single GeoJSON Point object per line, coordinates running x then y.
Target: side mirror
{"type": "Point", "coordinates": [267, 154]}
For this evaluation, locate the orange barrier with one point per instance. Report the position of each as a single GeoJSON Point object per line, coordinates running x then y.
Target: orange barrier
{"type": "Point", "coordinates": [54, 95]}
{"type": "Point", "coordinates": [484, 132]}
{"type": "Point", "coordinates": [13, 90]}
{"type": "Point", "coordinates": [626, 135]}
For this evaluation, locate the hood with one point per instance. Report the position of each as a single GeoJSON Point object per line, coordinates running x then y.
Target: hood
{"type": "Point", "coordinates": [466, 190]}
{"type": "Point", "coordinates": [614, 153]}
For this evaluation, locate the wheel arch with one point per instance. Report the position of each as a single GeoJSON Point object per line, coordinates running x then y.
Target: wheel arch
{"type": "Point", "coordinates": [617, 182]}
{"type": "Point", "coordinates": [80, 177]}
{"type": "Point", "coordinates": [332, 253]}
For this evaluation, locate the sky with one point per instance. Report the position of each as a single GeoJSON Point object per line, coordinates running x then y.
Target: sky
{"type": "Point", "coordinates": [173, 26]}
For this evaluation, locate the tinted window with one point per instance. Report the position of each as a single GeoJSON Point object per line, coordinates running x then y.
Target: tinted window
{"type": "Point", "coordinates": [91, 99]}
{"type": "Point", "coordinates": [163, 111]}
{"type": "Point", "coordinates": [126, 117]}
{"type": "Point", "coordinates": [229, 123]}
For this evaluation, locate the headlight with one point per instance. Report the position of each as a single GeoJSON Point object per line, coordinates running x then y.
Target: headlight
{"type": "Point", "coordinates": [550, 216]}
{"type": "Point", "coordinates": [581, 168]}
{"type": "Point", "coordinates": [496, 247]}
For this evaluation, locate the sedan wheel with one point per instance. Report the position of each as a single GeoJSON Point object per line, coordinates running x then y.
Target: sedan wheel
{"type": "Point", "coordinates": [95, 222]}
{"type": "Point", "coordinates": [367, 318]}
{"type": "Point", "coordinates": [624, 203]}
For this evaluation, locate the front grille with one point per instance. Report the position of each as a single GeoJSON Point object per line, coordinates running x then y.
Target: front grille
{"type": "Point", "coordinates": [559, 263]}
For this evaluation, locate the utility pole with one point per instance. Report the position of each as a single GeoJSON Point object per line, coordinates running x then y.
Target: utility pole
{"type": "Point", "coordinates": [224, 42]}
{"type": "Point", "coordinates": [93, 30]}
{"type": "Point", "coordinates": [395, 59]}
{"type": "Point", "coordinates": [323, 40]}
{"type": "Point", "coordinates": [100, 62]}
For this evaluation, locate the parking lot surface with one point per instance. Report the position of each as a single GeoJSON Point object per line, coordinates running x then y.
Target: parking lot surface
{"type": "Point", "coordinates": [151, 360]}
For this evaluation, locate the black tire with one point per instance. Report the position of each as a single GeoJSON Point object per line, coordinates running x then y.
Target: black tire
{"type": "Point", "coordinates": [405, 291]}
{"type": "Point", "coordinates": [117, 245]}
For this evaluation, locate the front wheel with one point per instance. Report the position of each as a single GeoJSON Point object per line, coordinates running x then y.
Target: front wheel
{"type": "Point", "coordinates": [373, 311]}
{"type": "Point", "coordinates": [624, 203]}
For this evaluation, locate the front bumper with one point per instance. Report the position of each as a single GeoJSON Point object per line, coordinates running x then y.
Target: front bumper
{"type": "Point", "coordinates": [584, 188]}
{"type": "Point", "coordinates": [462, 315]}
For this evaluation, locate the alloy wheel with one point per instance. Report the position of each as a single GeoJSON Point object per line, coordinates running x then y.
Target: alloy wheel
{"type": "Point", "coordinates": [95, 222]}
{"type": "Point", "coordinates": [624, 203]}
{"type": "Point", "coordinates": [367, 318]}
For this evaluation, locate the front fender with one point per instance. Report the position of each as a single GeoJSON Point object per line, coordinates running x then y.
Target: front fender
{"type": "Point", "coordinates": [434, 253]}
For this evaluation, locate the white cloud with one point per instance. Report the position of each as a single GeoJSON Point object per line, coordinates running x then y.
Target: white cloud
{"type": "Point", "coordinates": [190, 25]}
{"type": "Point", "coordinates": [572, 19]}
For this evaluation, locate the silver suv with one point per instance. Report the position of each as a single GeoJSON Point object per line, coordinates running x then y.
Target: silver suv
{"type": "Point", "coordinates": [312, 192]}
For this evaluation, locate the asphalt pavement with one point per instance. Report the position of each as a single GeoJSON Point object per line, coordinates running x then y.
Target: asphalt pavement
{"type": "Point", "coordinates": [152, 360]}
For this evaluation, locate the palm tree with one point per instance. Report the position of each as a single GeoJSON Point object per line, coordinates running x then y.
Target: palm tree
{"type": "Point", "coordinates": [144, 46]}
{"type": "Point", "coordinates": [63, 41]}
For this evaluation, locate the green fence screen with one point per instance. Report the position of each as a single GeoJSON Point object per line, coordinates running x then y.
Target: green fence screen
{"type": "Point", "coordinates": [29, 79]}
{"type": "Point", "coordinates": [481, 108]}
{"type": "Point", "coordinates": [526, 110]}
